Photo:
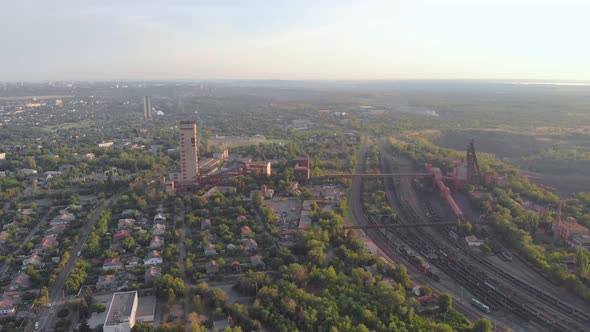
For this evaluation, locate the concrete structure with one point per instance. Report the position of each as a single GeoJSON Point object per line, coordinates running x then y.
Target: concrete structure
{"type": "Point", "coordinates": [121, 313]}
{"type": "Point", "coordinates": [579, 240]}
{"type": "Point", "coordinates": [2, 155]}
{"type": "Point", "coordinates": [106, 282]}
{"type": "Point", "coordinates": [147, 108]}
{"type": "Point", "coordinates": [564, 230]}
{"type": "Point", "coordinates": [105, 144]}
{"type": "Point", "coordinates": [223, 155]}
{"type": "Point", "coordinates": [473, 241]}
{"type": "Point", "coordinates": [262, 166]}
{"type": "Point", "coordinates": [189, 153]}
{"type": "Point", "coordinates": [302, 169]}
{"type": "Point", "coordinates": [146, 309]}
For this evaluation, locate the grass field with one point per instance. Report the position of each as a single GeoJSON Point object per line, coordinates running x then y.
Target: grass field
{"type": "Point", "coordinates": [71, 125]}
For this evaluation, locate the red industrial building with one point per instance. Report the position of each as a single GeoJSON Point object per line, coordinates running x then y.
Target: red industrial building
{"type": "Point", "coordinates": [262, 166]}
{"type": "Point", "coordinates": [302, 169]}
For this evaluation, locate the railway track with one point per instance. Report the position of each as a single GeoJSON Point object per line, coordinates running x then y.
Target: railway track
{"type": "Point", "coordinates": [491, 284]}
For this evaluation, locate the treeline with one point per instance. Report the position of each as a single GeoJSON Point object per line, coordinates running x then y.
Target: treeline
{"type": "Point", "coordinates": [331, 283]}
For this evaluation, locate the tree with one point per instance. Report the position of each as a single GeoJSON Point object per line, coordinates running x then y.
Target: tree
{"type": "Point", "coordinates": [217, 297]}
{"type": "Point", "coordinates": [171, 297]}
{"type": "Point", "coordinates": [142, 327]}
{"type": "Point", "coordinates": [129, 243]}
{"type": "Point", "coordinates": [483, 325]}
{"type": "Point", "coordinates": [84, 327]}
{"type": "Point", "coordinates": [425, 290]}
{"type": "Point", "coordinates": [401, 275]}
{"type": "Point", "coordinates": [582, 262]}
{"type": "Point", "coordinates": [445, 302]}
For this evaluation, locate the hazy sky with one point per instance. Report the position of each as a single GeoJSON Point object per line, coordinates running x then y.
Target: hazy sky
{"type": "Point", "coordinates": [295, 39]}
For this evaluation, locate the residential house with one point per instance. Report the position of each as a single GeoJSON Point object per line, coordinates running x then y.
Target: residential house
{"type": "Point", "coordinates": [236, 266]}
{"type": "Point", "coordinates": [152, 273]}
{"type": "Point", "coordinates": [210, 250]}
{"type": "Point", "coordinates": [28, 171]}
{"type": "Point", "coordinates": [212, 267]}
{"type": "Point", "coordinates": [129, 213]}
{"type": "Point", "coordinates": [249, 245]}
{"type": "Point", "coordinates": [106, 283]}
{"type": "Point", "coordinates": [159, 218]}
{"type": "Point", "coordinates": [156, 242]}
{"type": "Point", "coordinates": [62, 219]}
{"type": "Point", "coordinates": [34, 259]}
{"type": "Point", "coordinates": [246, 231]}
{"type": "Point", "coordinates": [88, 156]}
{"type": "Point", "coordinates": [112, 263]}
{"type": "Point", "coordinates": [22, 281]}
{"type": "Point", "coordinates": [7, 308]}
{"type": "Point", "coordinates": [205, 224]}
{"type": "Point", "coordinates": [4, 236]}
{"type": "Point", "coordinates": [159, 229]}
{"type": "Point", "coordinates": [154, 258]}
{"type": "Point", "coordinates": [48, 243]}
{"type": "Point", "coordinates": [55, 230]}
{"type": "Point", "coordinates": [133, 261]}
{"type": "Point", "coordinates": [210, 237]}
{"type": "Point", "coordinates": [257, 262]}
{"type": "Point", "coordinates": [126, 223]}
{"type": "Point", "coordinates": [122, 234]}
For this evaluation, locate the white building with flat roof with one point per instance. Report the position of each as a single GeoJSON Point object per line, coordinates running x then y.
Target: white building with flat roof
{"type": "Point", "coordinates": [121, 313]}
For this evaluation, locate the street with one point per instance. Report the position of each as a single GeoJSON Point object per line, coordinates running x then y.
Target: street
{"type": "Point", "coordinates": [56, 292]}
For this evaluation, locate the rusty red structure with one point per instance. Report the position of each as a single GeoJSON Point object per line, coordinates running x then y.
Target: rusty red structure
{"type": "Point", "coordinates": [444, 190]}
{"type": "Point", "coordinates": [473, 172]}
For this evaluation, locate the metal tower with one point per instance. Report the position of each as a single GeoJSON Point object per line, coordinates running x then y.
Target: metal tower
{"type": "Point", "coordinates": [473, 173]}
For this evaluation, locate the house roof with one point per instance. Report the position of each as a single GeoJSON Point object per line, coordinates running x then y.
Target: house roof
{"type": "Point", "coordinates": [112, 260]}
{"type": "Point", "coordinates": [154, 254]}
{"type": "Point", "coordinates": [6, 303]}
{"type": "Point", "coordinates": [49, 242]}
{"type": "Point", "coordinates": [122, 233]}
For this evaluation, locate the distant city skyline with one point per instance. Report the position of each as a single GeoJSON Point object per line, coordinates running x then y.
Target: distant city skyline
{"type": "Point", "coordinates": [294, 40]}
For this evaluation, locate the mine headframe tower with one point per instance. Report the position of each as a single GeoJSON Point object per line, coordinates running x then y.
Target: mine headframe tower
{"type": "Point", "coordinates": [473, 172]}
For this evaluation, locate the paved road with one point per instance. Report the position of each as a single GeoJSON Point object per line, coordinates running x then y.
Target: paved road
{"type": "Point", "coordinates": [56, 295]}
{"type": "Point", "coordinates": [187, 283]}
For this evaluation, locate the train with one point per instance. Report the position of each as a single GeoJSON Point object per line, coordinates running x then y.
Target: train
{"type": "Point", "coordinates": [480, 306]}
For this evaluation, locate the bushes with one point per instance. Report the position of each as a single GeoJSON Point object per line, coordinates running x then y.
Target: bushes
{"type": "Point", "coordinates": [98, 307]}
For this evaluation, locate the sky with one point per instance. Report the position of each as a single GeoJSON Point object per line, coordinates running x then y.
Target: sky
{"type": "Point", "coordinates": [294, 40]}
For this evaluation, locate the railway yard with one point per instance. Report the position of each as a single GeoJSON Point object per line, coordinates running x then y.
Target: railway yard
{"type": "Point", "coordinates": [517, 296]}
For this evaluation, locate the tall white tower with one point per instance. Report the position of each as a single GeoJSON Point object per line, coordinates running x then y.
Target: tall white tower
{"type": "Point", "coordinates": [147, 108]}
